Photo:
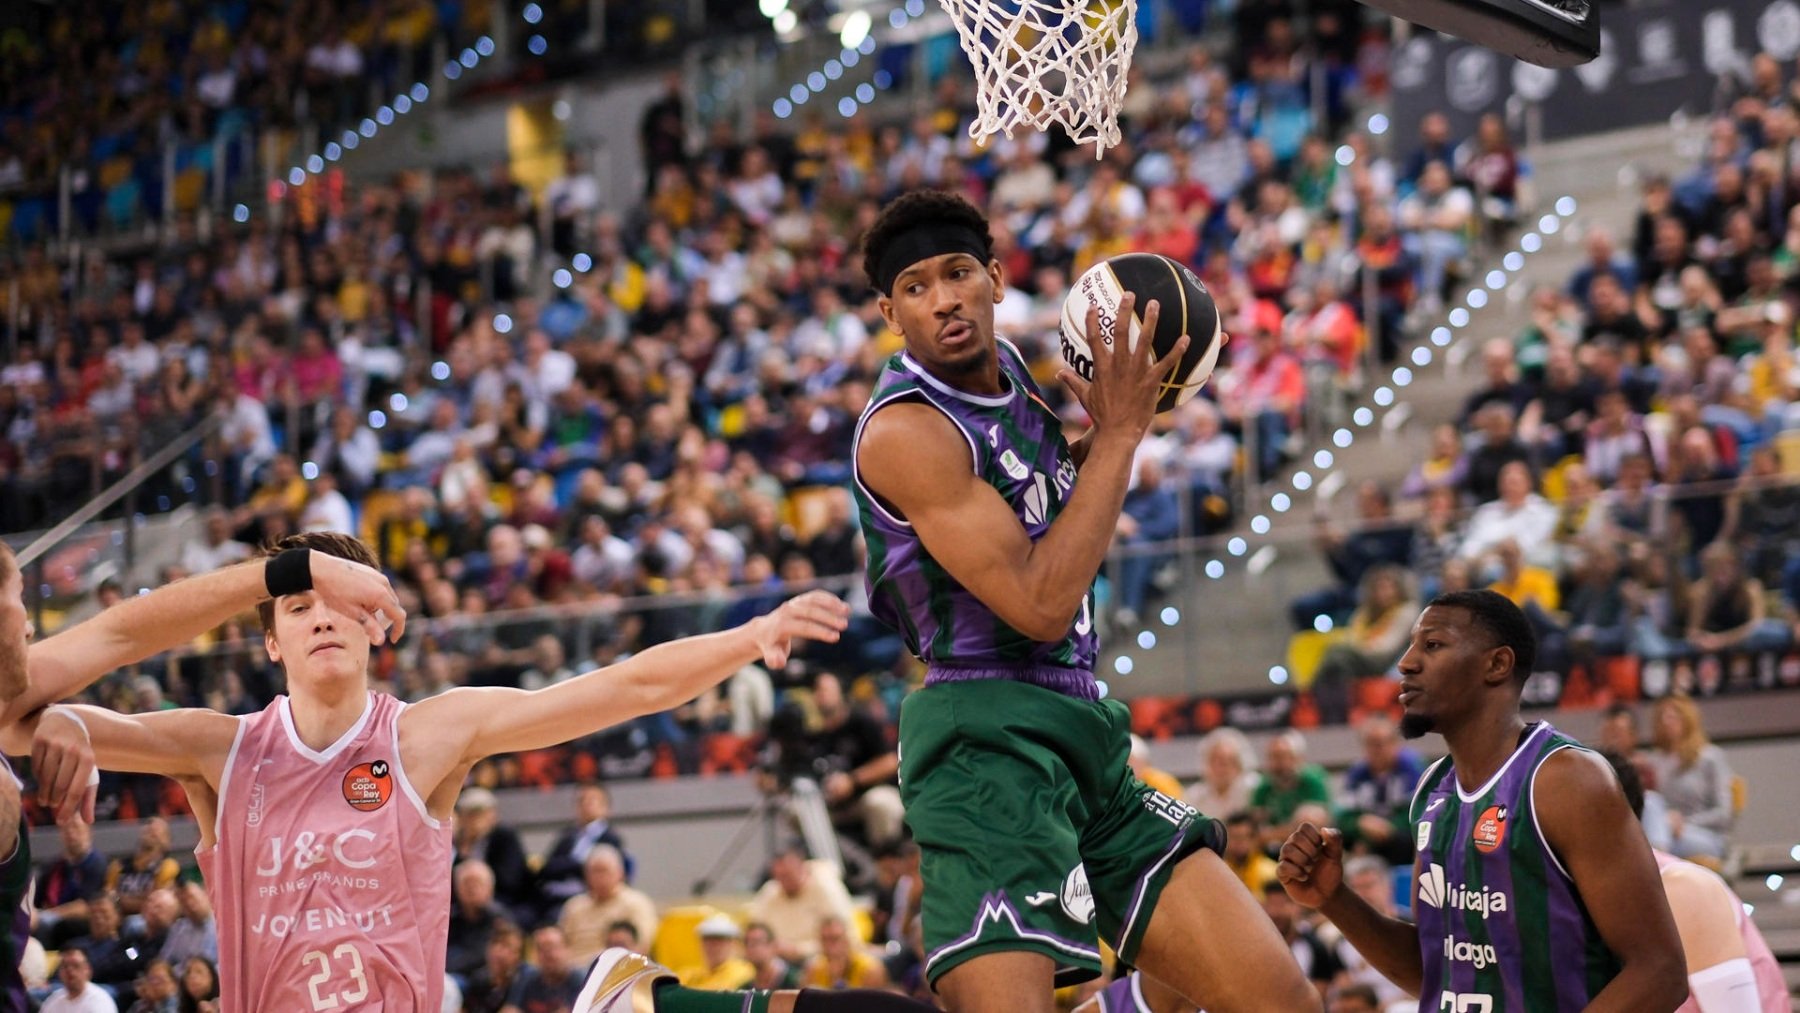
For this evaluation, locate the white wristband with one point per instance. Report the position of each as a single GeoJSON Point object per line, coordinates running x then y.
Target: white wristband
{"type": "Point", "coordinates": [61, 711]}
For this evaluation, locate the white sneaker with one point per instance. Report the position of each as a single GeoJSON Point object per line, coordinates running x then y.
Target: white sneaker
{"type": "Point", "coordinates": [622, 982]}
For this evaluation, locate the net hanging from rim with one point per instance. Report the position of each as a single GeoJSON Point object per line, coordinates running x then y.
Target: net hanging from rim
{"type": "Point", "coordinates": [1039, 62]}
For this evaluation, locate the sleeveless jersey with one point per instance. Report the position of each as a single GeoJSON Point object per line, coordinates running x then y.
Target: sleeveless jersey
{"type": "Point", "coordinates": [330, 880]}
{"type": "Point", "coordinates": [1771, 985]}
{"type": "Point", "coordinates": [1501, 926]}
{"type": "Point", "coordinates": [15, 890]}
{"type": "Point", "coordinates": [1016, 445]}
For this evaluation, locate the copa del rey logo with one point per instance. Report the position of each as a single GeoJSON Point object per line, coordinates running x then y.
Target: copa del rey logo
{"type": "Point", "coordinates": [1490, 829]}
{"type": "Point", "coordinates": [368, 786]}
{"type": "Point", "coordinates": [1435, 892]}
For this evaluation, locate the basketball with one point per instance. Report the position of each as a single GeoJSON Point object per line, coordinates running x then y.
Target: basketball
{"type": "Point", "coordinates": [1187, 308]}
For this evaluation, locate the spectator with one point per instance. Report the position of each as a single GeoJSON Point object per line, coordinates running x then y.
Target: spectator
{"type": "Point", "coordinates": [1597, 618]}
{"type": "Point", "coordinates": [1555, 420]}
{"type": "Point", "coordinates": [479, 835]}
{"type": "Point", "coordinates": [113, 962]}
{"type": "Point", "coordinates": [1244, 853]}
{"type": "Point", "coordinates": [849, 756]}
{"type": "Point", "coordinates": [1378, 790]}
{"type": "Point", "coordinates": [473, 915]}
{"type": "Point", "coordinates": [1697, 489]}
{"type": "Point", "coordinates": [558, 981]}
{"type": "Point", "coordinates": [1317, 961]}
{"type": "Point", "coordinates": [1498, 448]}
{"type": "Point", "coordinates": [1292, 791]}
{"type": "Point", "coordinates": [1694, 778]}
{"type": "Point", "coordinates": [161, 911]}
{"type": "Point", "coordinates": [723, 970]}
{"type": "Point", "coordinates": [1615, 433]}
{"type": "Point", "coordinates": [1263, 397]}
{"type": "Point", "coordinates": [157, 990]}
{"type": "Point", "coordinates": [500, 983]}
{"type": "Point", "coordinates": [1355, 997]}
{"type": "Point", "coordinates": [195, 933]}
{"type": "Point", "coordinates": [1619, 732]}
{"type": "Point", "coordinates": [149, 868]}
{"type": "Point", "coordinates": [199, 985]}
{"type": "Point", "coordinates": [1228, 774]}
{"type": "Point", "coordinates": [1159, 780]}
{"type": "Point", "coordinates": [1517, 515]}
{"type": "Point", "coordinates": [78, 993]}
{"type": "Point", "coordinates": [1373, 881]}
{"type": "Point", "coordinates": [586, 917]}
{"type": "Point", "coordinates": [1369, 645]}
{"type": "Point", "coordinates": [1603, 257]}
{"type": "Point", "coordinates": [1442, 467]}
{"type": "Point", "coordinates": [623, 935]}
{"type": "Point", "coordinates": [1377, 540]}
{"type": "Point", "coordinates": [798, 897]}
{"type": "Point", "coordinates": [1436, 222]}
{"type": "Point", "coordinates": [68, 883]}
{"type": "Point", "coordinates": [761, 951]}
{"type": "Point", "coordinates": [562, 875]}
{"type": "Point", "coordinates": [1151, 515]}
{"type": "Point", "coordinates": [215, 547]}
{"type": "Point", "coordinates": [841, 961]}
{"type": "Point", "coordinates": [1501, 384]}
{"type": "Point", "coordinates": [1727, 612]}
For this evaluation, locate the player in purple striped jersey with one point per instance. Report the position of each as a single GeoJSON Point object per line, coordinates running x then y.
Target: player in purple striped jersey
{"type": "Point", "coordinates": [1534, 887]}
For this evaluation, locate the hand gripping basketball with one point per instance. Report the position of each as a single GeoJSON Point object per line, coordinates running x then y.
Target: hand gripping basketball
{"type": "Point", "coordinates": [1123, 394]}
{"type": "Point", "coordinates": [1312, 865]}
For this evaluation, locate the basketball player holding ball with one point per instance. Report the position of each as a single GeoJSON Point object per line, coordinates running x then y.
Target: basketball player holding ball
{"type": "Point", "coordinates": [985, 531]}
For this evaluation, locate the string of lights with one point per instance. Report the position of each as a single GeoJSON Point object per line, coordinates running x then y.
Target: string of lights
{"type": "Point", "coordinates": [1384, 397]}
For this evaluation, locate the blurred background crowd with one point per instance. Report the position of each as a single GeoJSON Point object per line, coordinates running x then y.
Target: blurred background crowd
{"type": "Point", "coordinates": [572, 430]}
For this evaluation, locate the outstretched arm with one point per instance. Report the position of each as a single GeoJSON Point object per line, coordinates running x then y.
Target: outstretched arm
{"type": "Point", "coordinates": [146, 625]}
{"type": "Point", "coordinates": [1591, 829]}
{"type": "Point", "coordinates": [474, 722]}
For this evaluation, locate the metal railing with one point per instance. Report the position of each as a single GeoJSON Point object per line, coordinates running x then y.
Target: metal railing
{"type": "Point", "coordinates": [34, 556]}
{"type": "Point", "coordinates": [501, 644]}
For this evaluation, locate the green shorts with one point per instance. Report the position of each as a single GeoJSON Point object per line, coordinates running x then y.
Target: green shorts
{"type": "Point", "coordinates": [1033, 832]}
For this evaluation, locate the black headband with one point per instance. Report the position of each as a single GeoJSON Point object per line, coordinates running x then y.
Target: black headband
{"type": "Point", "coordinates": [922, 242]}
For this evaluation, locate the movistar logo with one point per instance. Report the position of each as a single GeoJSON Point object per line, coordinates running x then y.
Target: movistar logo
{"type": "Point", "coordinates": [1435, 892]}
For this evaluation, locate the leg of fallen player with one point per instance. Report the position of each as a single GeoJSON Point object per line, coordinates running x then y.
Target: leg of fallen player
{"type": "Point", "coordinates": [1137, 992]}
{"type": "Point", "coordinates": [1013, 980]}
{"type": "Point", "coordinates": [1207, 942]}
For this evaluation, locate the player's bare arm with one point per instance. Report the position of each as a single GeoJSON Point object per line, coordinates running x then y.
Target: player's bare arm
{"type": "Point", "coordinates": [442, 737]}
{"type": "Point", "coordinates": [1312, 872]}
{"type": "Point", "coordinates": [189, 745]}
{"type": "Point", "coordinates": [917, 461]}
{"type": "Point", "coordinates": [1706, 916]}
{"type": "Point", "coordinates": [146, 625]}
{"type": "Point", "coordinates": [1591, 829]}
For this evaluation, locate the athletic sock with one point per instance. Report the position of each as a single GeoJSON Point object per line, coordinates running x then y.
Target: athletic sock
{"type": "Point", "coordinates": [857, 1000]}
{"type": "Point", "coordinates": [676, 999]}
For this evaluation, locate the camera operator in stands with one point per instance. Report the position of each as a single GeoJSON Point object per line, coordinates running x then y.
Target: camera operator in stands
{"type": "Point", "coordinates": [845, 753]}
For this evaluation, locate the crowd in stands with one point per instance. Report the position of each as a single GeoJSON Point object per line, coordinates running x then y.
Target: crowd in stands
{"type": "Point", "coordinates": [1626, 470]}
{"type": "Point", "coordinates": [676, 420]}
{"type": "Point", "coordinates": [391, 359]}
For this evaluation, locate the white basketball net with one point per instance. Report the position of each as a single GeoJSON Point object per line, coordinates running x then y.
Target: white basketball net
{"type": "Point", "coordinates": [1039, 62]}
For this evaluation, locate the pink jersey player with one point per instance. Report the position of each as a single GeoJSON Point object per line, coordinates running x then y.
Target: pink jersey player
{"type": "Point", "coordinates": [1716, 932]}
{"type": "Point", "coordinates": [339, 885]}
{"type": "Point", "coordinates": [324, 819]}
